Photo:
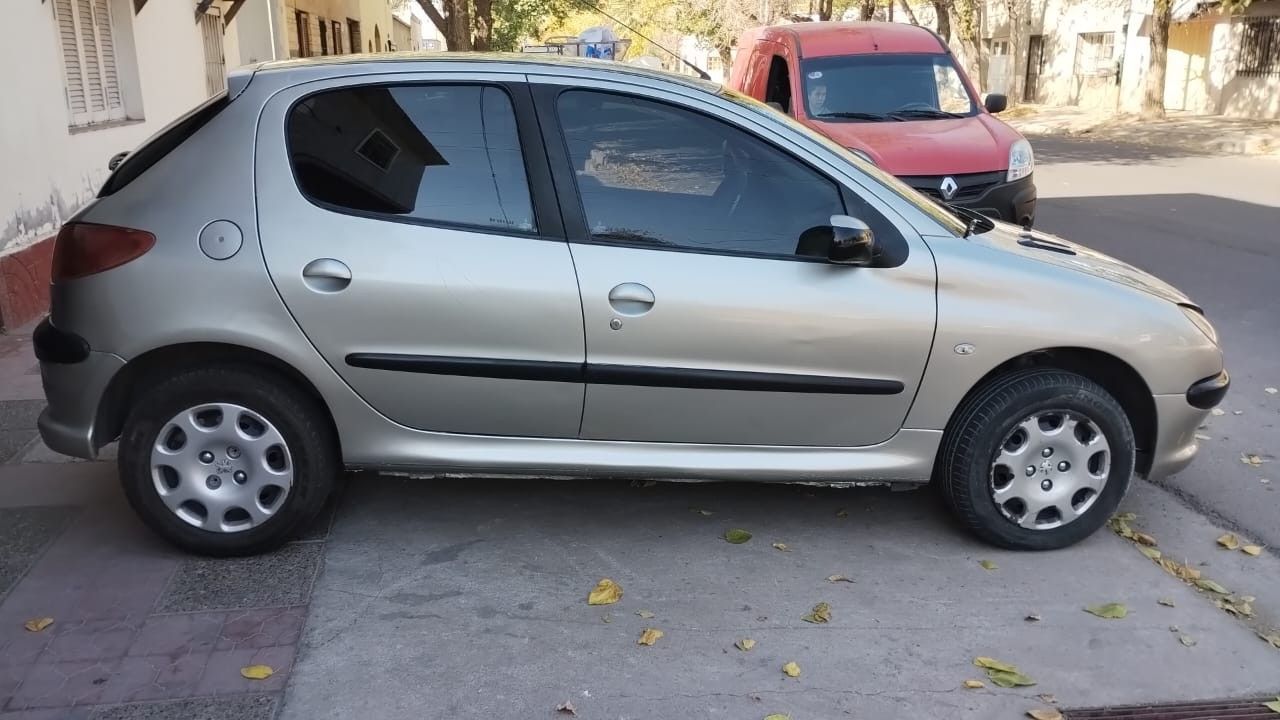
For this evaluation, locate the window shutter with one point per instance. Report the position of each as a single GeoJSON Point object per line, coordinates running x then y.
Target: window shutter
{"type": "Point", "coordinates": [90, 60]}
{"type": "Point", "coordinates": [107, 49]}
{"type": "Point", "coordinates": [77, 103]}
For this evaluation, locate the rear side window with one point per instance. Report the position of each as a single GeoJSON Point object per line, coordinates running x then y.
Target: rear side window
{"type": "Point", "coordinates": [163, 143]}
{"type": "Point", "coordinates": [445, 154]}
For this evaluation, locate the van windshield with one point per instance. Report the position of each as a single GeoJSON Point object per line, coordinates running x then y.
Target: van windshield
{"type": "Point", "coordinates": [884, 87]}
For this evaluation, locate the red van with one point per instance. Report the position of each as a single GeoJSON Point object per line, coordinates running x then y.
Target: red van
{"type": "Point", "coordinates": [895, 95]}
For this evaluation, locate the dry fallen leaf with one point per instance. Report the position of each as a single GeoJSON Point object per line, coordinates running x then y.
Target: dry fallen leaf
{"type": "Point", "coordinates": [257, 672]}
{"type": "Point", "coordinates": [1211, 586]}
{"type": "Point", "coordinates": [1218, 411]}
{"type": "Point", "coordinates": [842, 513]}
{"type": "Point", "coordinates": [644, 614]}
{"type": "Point", "coordinates": [649, 636]}
{"type": "Point", "coordinates": [1150, 552]}
{"type": "Point", "coordinates": [745, 644]}
{"type": "Point", "coordinates": [1167, 602]}
{"type": "Point", "coordinates": [1110, 611]}
{"type": "Point", "coordinates": [606, 592]}
{"type": "Point", "coordinates": [1119, 523]}
{"type": "Point", "coordinates": [567, 708]}
{"type": "Point", "coordinates": [1251, 459]}
{"type": "Point", "coordinates": [838, 578]}
{"type": "Point", "coordinates": [1202, 436]}
{"type": "Point", "coordinates": [1253, 550]}
{"type": "Point", "coordinates": [1144, 539]}
{"type": "Point", "coordinates": [791, 669]}
{"type": "Point", "coordinates": [1033, 617]}
{"type": "Point", "coordinates": [988, 565]}
{"type": "Point", "coordinates": [777, 716]}
{"type": "Point", "coordinates": [974, 684]}
{"type": "Point", "coordinates": [737, 536]}
{"type": "Point", "coordinates": [1009, 679]}
{"type": "Point", "coordinates": [821, 613]}
{"type": "Point", "coordinates": [781, 546]}
{"type": "Point", "coordinates": [1178, 570]}
{"type": "Point", "coordinates": [987, 663]}
{"type": "Point", "coordinates": [1044, 714]}
{"type": "Point", "coordinates": [606, 618]}
{"type": "Point", "coordinates": [37, 624]}
{"type": "Point", "coordinates": [1187, 640]}
{"type": "Point", "coordinates": [1273, 706]}
{"type": "Point", "coordinates": [1239, 606]}
{"type": "Point", "coordinates": [1273, 638]}
{"type": "Point", "coordinates": [1229, 541]}
{"type": "Point", "coordinates": [1270, 390]}
{"type": "Point", "coordinates": [1237, 412]}
{"type": "Point", "coordinates": [1048, 698]}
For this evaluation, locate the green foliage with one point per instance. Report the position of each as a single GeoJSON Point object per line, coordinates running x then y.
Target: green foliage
{"type": "Point", "coordinates": [515, 21]}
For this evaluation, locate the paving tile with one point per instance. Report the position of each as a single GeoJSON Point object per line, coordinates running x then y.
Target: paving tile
{"type": "Point", "coordinates": [155, 677]}
{"type": "Point", "coordinates": [177, 635]}
{"type": "Point", "coordinates": [243, 707]}
{"type": "Point", "coordinates": [278, 579]}
{"type": "Point", "coordinates": [222, 674]}
{"type": "Point", "coordinates": [254, 629]}
{"type": "Point", "coordinates": [80, 639]}
{"type": "Point", "coordinates": [18, 646]}
{"type": "Point", "coordinates": [75, 713]}
{"type": "Point", "coordinates": [62, 684]}
{"type": "Point", "coordinates": [24, 533]}
{"type": "Point", "coordinates": [20, 414]}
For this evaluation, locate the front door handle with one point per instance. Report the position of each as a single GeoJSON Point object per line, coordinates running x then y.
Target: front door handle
{"type": "Point", "coordinates": [326, 275]}
{"type": "Point", "coordinates": [631, 299]}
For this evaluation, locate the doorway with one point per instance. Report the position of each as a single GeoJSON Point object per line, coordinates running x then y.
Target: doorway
{"type": "Point", "coordinates": [1035, 66]}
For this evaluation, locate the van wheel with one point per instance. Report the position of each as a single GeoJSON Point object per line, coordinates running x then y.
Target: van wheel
{"type": "Point", "coordinates": [228, 460]}
{"type": "Point", "coordinates": [1037, 459]}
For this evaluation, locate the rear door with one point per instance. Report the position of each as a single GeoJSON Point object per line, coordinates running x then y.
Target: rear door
{"type": "Point", "coordinates": [705, 323]}
{"type": "Point", "coordinates": [420, 249]}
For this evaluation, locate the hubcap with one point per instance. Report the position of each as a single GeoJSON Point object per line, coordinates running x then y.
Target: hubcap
{"type": "Point", "coordinates": [221, 467]}
{"type": "Point", "coordinates": [1050, 469]}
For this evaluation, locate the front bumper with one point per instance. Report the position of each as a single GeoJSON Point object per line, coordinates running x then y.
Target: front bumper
{"type": "Point", "coordinates": [73, 390]}
{"type": "Point", "coordinates": [1177, 419]}
{"type": "Point", "coordinates": [987, 193]}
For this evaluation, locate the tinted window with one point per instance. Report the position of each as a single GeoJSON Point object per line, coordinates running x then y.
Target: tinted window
{"type": "Point", "coordinates": [655, 174]}
{"type": "Point", "coordinates": [437, 153]}
{"type": "Point", "coordinates": [873, 87]}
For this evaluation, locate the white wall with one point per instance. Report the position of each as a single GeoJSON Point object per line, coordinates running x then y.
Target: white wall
{"type": "Point", "coordinates": [51, 170]}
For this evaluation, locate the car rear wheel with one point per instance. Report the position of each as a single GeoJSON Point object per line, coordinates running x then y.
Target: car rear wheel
{"type": "Point", "coordinates": [1037, 459]}
{"type": "Point", "coordinates": [227, 460]}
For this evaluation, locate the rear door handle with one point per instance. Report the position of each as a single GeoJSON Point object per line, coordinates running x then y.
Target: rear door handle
{"type": "Point", "coordinates": [326, 275]}
{"type": "Point", "coordinates": [631, 299]}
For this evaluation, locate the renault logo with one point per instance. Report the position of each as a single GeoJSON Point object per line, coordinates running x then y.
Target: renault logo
{"type": "Point", "coordinates": [948, 188]}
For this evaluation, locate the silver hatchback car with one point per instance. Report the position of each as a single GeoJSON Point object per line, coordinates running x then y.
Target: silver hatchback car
{"type": "Point", "coordinates": [495, 265]}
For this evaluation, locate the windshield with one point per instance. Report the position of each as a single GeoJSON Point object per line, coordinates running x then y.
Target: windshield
{"type": "Point", "coordinates": [882, 87]}
{"type": "Point", "coordinates": [893, 184]}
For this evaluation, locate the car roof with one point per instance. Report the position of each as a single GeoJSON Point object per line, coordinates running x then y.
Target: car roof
{"type": "Point", "coordinates": [825, 39]}
{"type": "Point", "coordinates": [362, 63]}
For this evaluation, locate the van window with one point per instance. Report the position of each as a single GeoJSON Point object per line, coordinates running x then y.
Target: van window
{"type": "Point", "coordinates": [885, 87]}
{"type": "Point", "coordinates": [778, 88]}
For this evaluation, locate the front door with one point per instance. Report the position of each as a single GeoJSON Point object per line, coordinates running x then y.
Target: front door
{"type": "Point", "coordinates": [1035, 65]}
{"type": "Point", "coordinates": [704, 321]}
{"type": "Point", "coordinates": [399, 226]}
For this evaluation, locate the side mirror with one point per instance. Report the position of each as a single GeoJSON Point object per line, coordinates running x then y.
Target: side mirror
{"type": "Point", "coordinates": [116, 159]}
{"type": "Point", "coordinates": [852, 242]}
{"type": "Point", "coordinates": [996, 102]}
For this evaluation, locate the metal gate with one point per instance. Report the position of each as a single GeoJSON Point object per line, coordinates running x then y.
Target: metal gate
{"type": "Point", "coordinates": [215, 65]}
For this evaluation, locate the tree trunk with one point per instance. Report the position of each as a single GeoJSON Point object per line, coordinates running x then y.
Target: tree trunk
{"type": "Point", "coordinates": [457, 34]}
{"type": "Point", "coordinates": [437, 19]}
{"type": "Point", "coordinates": [942, 8]}
{"type": "Point", "coordinates": [824, 9]}
{"type": "Point", "coordinates": [911, 14]}
{"type": "Point", "coordinates": [968, 28]}
{"type": "Point", "coordinates": [867, 10]}
{"type": "Point", "coordinates": [482, 37]}
{"type": "Point", "coordinates": [1153, 89]}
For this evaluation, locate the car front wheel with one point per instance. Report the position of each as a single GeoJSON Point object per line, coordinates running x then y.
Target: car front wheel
{"type": "Point", "coordinates": [227, 460]}
{"type": "Point", "coordinates": [1037, 459]}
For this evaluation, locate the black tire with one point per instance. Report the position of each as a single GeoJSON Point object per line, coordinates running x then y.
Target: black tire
{"type": "Point", "coordinates": [301, 419]}
{"type": "Point", "coordinates": [988, 415]}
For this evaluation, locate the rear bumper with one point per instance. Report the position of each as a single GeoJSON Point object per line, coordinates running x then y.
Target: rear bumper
{"type": "Point", "coordinates": [75, 379]}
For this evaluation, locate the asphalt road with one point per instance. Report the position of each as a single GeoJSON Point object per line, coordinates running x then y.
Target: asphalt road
{"type": "Point", "coordinates": [1210, 226]}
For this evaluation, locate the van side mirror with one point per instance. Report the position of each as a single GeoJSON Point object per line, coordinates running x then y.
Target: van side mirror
{"type": "Point", "coordinates": [996, 102]}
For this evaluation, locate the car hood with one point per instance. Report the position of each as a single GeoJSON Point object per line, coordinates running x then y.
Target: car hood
{"type": "Point", "coordinates": [952, 146]}
{"type": "Point", "coordinates": [1053, 250]}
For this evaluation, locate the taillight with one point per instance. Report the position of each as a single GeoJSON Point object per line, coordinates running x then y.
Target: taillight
{"type": "Point", "coordinates": [86, 248]}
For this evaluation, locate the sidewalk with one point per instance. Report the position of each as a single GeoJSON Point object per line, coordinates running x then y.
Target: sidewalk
{"type": "Point", "coordinates": [1209, 134]}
